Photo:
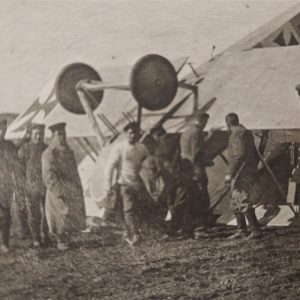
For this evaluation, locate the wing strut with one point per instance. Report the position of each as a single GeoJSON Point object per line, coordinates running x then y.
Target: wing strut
{"type": "Point", "coordinates": [85, 149]}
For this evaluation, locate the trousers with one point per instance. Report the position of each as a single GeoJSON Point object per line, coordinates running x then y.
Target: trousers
{"type": "Point", "coordinates": [138, 209]}
{"type": "Point", "coordinates": [240, 195]}
{"type": "Point", "coordinates": [36, 217]}
{"type": "Point", "coordinates": [5, 224]}
{"type": "Point", "coordinates": [19, 215]}
{"type": "Point", "coordinates": [241, 205]}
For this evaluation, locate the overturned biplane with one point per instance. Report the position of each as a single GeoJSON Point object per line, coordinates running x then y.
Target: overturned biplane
{"type": "Point", "coordinates": [254, 77]}
{"type": "Point", "coordinates": [109, 120]}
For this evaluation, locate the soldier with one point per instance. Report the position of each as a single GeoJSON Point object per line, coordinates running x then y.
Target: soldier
{"type": "Point", "coordinates": [26, 138]}
{"type": "Point", "coordinates": [173, 196]}
{"type": "Point", "coordinates": [8, 181]}
{"type": "Point", "coordinates": [65, 210]}
{"type": "Point", "coordinates": [19, 211]}
{"type": "Point", "coordinates": [243, 161]}
{"type": "Point", "coordinates": [192, 144]}
{"type": "Point", "coordinates": [30, 155]}
{"type": "Point", "coordinates": [127, 158]}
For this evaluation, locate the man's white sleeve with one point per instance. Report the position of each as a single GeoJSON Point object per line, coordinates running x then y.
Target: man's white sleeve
{"type": "Point", "coordinates": [111, 167]}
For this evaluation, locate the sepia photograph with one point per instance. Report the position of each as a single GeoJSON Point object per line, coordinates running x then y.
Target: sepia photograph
{"type": "Point", "coordinates": [149, 149]}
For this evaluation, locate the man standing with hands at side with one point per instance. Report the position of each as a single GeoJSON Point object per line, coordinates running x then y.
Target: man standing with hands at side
{"type": "Point", "coordinates": [30, 155]}
{"type": "Point", "coordinates": [243, 160]}
{"type": "Point", "coordinates": [9, 168]}
{"type": "Point", "coordinates": [126, 160]}
{"type": "Point", "coordinates": [65, 210]}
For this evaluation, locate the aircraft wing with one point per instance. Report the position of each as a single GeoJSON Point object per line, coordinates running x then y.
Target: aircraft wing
{"type": "Point", "coordinates": [255, 77]}
{"type": "Point", "coordinates": [258, 85]}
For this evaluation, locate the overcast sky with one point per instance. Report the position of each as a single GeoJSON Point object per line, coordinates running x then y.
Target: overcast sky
{"type": "Point", "coordinates": [39, 37]}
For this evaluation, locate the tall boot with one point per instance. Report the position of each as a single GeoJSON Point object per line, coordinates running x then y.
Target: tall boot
{"type": "Point", "coordinates": [241, 225]}
{"type": "Point", "coordinates": [5, 224]}
{"type": "Point", "coordinates": [62, 242]}
{"type": "Point", "coordinates": [253, 224]}
{"type": "Point", "coordinates": [130, 223]}
{"type": "Point", "coordinates": [133, 236]}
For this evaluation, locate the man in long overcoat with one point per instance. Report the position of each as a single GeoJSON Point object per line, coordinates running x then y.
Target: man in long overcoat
{"type": "Point", "coordinates": [18, 209]}
{"type": "Point", "coordinates": [65, 210]}
{"type": "Point", "coordinates": [8, 182]}
{"type": "Point", "coordinates": [243, 161]}
{"type": "Point", "coordinates": [30, 155]}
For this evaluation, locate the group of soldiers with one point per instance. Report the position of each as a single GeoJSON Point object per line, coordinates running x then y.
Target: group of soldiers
{"type": "Point", "coordinates": [181, 161]}
{"type": "Point", "coordinates": [44, 179]}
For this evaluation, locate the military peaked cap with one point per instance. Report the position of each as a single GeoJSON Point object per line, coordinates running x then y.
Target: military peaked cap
{"type": "Point", "coordinates": [37, 126]}
{"type": "Point", "coordinates": [57, 127]}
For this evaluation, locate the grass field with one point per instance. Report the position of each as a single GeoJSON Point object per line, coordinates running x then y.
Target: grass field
{"type": "Point", "coordinates": [101, 266]}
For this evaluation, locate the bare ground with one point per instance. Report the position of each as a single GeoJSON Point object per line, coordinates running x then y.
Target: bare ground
{"type": "Point", "coordinates": [102, 266]}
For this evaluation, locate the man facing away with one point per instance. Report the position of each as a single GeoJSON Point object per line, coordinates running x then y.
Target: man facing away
{"type": "Point", "coordinates": [243, 161]}
{"type": "Point", "coordinates": [126, 159]}
{"type": "Point", "coordinates": [65, 210]}
{"type": "Point", "coordinates": [192, 144]}
{"type": "Point", "coordinates": [8, 182]}
{"type": "Point", "coordinates": [30, 155]}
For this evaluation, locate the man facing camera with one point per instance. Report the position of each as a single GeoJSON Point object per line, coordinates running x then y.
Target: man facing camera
{"type": "Point", "coordinates": [9, 168]}
{"type": "Point", "coordinates": [65, 210]}
{"type": "Point", "coordinates": [30, 155]}
{"type": "Point", "coordinates": [126, 160]}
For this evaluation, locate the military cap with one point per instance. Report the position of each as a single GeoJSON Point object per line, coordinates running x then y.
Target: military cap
{"type": "Point", "coordinates": [3, 123]}
{"type": "Point", "coordinates": [198, 116]}
{"type": "Point", "coordinates": [57, 127]}
{"type": "Point", "coordinates": [37, 126]}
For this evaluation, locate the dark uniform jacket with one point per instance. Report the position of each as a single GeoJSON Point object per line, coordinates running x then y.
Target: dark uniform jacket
{"type": "Point", "coordinates": [192, 147]}
{"type": "Point", "coordinates": [242, 155]}
{"type": "Point", "coordinates": [9, 168]}
{"type": "Point", "coordinates": [167, 153]}
{"type": "Point", "coordinates": [30, 155]}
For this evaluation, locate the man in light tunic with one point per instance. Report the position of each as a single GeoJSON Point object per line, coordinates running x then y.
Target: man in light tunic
{"type": "Point", "coordinates": [127, 158]}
